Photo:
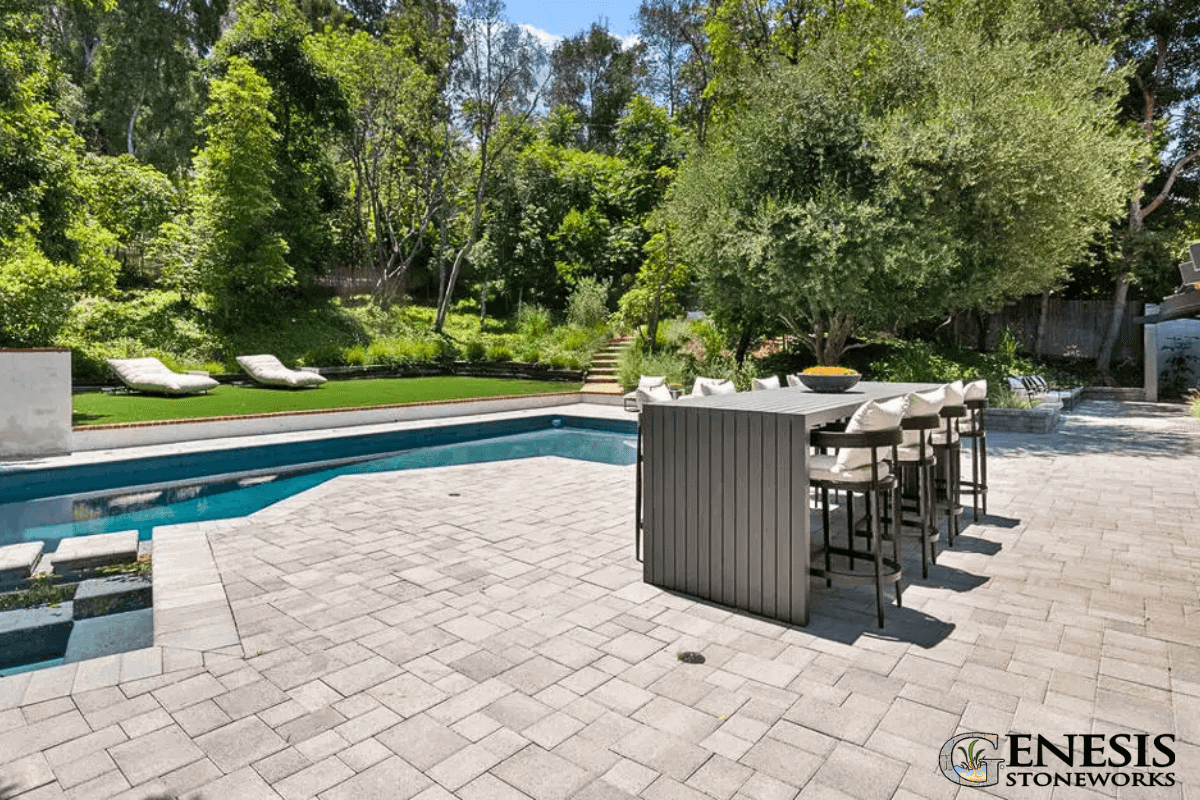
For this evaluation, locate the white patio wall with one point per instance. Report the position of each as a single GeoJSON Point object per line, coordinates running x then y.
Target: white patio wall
{"type": "Point", "coordinates": [35, 402]}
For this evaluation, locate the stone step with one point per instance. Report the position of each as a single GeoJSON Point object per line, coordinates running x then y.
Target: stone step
{"type": "Point", "coordinates": [81, 553]}
{"type": "Point", "coordinates": [115, 594]}
{"type": "Point", "coordinates": [17, 561]}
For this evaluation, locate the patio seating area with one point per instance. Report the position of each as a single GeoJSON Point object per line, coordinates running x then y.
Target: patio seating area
{"type": "Point", "coordinates": [483, 632]}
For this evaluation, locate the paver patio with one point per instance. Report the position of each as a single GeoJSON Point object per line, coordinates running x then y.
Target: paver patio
{"type": "Point", "coordinates": [482, 632]}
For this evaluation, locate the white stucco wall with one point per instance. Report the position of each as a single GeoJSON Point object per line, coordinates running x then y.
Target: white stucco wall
{"type": "Point", "coordinates": [1178, 339]}
{"type": "Point", "coordinates": [35, 402]}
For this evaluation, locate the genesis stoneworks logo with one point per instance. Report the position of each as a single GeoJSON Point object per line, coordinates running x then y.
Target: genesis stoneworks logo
{"type": "Point", "coordinates": [1122, 759]}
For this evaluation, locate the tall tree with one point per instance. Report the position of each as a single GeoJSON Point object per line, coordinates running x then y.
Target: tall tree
{"type": "Point", "coordinates": [596, 77]}
{"type": "Point", "coordinates": [400, 152]}
{"type": "Point", "coordinates": [496, 75]}
{"type": "Point", "coordinates": [308, 108]}
{"type": "Point", "coordinates": [1157, 44]}
{"type": "Point", "coordinates": [241, 256]}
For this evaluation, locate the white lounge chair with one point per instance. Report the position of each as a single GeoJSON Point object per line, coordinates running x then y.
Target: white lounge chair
{"type": "Point", "coordinates": [151, 375]}
{"type": "Point", "coordinates": [270, 371]}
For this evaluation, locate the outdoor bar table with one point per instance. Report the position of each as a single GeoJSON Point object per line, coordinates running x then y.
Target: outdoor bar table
{"type": "Point", "coordinates": [725, 514]}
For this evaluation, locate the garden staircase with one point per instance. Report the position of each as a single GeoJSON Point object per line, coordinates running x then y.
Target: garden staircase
{"type": "Point", "coordinates": [602, 377]}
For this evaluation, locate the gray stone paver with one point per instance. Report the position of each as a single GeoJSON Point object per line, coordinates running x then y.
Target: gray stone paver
{"type": "Point", "coordinates": [482, 631]}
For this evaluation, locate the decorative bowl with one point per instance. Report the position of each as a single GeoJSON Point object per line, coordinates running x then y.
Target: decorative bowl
{"type": "Point", "coordinates": [828, 383]}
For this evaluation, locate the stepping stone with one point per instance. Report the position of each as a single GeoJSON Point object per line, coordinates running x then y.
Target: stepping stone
{"type": "Point", "coordinates": [81, 553]}
{"type": "Point", "coordinates": [18, 560]}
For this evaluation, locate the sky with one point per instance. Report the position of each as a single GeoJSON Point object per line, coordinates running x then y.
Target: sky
{"type": "Point", "coordinates": [560, 18]}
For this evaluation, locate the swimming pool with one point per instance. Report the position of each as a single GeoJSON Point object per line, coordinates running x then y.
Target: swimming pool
{"type": "Point", "coordinates": [143, 493]}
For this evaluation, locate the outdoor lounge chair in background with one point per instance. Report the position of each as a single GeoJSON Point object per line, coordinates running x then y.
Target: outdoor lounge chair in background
{"type": "Point", "coordinates": [151, 375]}
{"type": "Point", "coordinates": [270, 371]}
{"type": "Point", "coordinates": [632, 403]}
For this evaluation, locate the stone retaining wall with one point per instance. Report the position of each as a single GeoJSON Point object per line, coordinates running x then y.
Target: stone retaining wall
{"type": "Point", "coordinates": [1039, 419]}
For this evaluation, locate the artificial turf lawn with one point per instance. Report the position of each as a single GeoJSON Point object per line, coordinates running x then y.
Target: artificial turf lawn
{"type": "Point", "coordinates": [226, 401]}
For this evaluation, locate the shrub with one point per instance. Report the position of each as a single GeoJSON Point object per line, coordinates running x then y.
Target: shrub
{"type": "Point", "coordinates": [355, 356]}
{"type": "Point", "coordinates": [499, 352]}
{"type": "Point", "coordinates": [475, 350]}
{"type": "Point", "coordinates": [587, 307]}
{"type": "Point", "coordinates": [533, 321]}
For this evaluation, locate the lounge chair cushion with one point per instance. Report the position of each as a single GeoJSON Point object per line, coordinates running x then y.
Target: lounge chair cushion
{"type": "Point", "coordinates": [870, 416]}
{"type": "Point", "coordinates": [758, 384]}
{"type": "Point", "coordinates": [649, 381]}
{"type": "Point", "coordinates": [269, 371]}
{"type": "Point", "coordinates": [151, 375]}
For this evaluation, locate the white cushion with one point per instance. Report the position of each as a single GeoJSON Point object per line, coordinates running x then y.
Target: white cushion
{"type": "Point", "coordinates": [1017, 385]}
{"type": "Point", "coordinates": [913, 453]}
{"type": "Point", "coordinates": [714, 388]}
{"type": "Point", "coordinates": [823, 467]}
{"type": "Point", "coordinates": [649, 381]}
{"type": "Point", "coordinates": [151, 375]}
{"type": "Point", "coordinates": [923, 404]}
{"type": "Point", "coordinates": [270, 371]}
{"type": "Point", "coordinates": [870, 416]}
{"type": "Point", "coordinates": [938, 437]}
{"type": "Point", "coordinates": [703, 382]}
{"type": "Point", "coordinates": [975, 390]}
{"type": "Point", "coordinates": [794, 380]}
{"type": "Point", "coordinates": [757, 384]}
{"type": "Point", "coordinates": [954, 393]}
{"type": "Point", "coordinates": [654, 394]}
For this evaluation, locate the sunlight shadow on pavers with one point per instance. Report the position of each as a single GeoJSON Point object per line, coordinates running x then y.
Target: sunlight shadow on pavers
{"type": "Point", "coordinates": [993, 521]}
{"type": "Point", "coordinates": [846, 624]}
{"type": "Point", "coordinates": [974, 544]}
{"type": "Point", "coordinates": [7, 789]}
{"type": "Point", "coordinates": [943, 577]}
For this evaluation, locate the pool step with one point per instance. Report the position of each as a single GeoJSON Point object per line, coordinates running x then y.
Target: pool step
{"type": "Point", "coordinates": [83, 553]}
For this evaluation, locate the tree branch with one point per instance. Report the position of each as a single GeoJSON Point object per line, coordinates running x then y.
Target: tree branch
{"type": "Point", "coordinates": [1166, 190]}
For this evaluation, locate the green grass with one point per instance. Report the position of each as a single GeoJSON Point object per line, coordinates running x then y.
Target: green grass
{"type": "Point", "coordinates": [108, 409]}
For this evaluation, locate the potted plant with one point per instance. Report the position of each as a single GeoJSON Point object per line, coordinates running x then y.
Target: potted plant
{"type": "Point", "coordinates": [828, 379]}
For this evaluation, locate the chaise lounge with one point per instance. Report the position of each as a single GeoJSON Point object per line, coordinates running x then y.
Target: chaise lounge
{"type": "Point", "coordinates": [152, 376]}
{"type": "Point", "coordinates": [270, 371]}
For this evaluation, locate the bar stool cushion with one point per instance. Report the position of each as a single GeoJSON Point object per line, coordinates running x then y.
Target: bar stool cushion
{"type": "Point", "coordinates": [653, 394]}
{"type": "Point", "coordinates": [758, 384]}
{"type": "Point", "coordinates": [707, 387]}
{"type": "Point", "coordinates": [954, 393]}
{"type": "Point", "coordinates": [939, 437]}
{"type": "Point", "coordinates": [912, 453]}
{"type": "Point", "coordinates": [824, 468]}
{"type": "Point", "coordinates": [794, 381]}
{"type": "Point", "coordinates": [975, 390]}
{"type": "Point", "coordinates": [923, 404]}
{"type": "Point", "coordinates": [870, 416]}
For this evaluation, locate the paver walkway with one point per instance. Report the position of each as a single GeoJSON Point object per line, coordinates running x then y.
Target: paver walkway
{"type": "Point", "coordinates": [483, 632]}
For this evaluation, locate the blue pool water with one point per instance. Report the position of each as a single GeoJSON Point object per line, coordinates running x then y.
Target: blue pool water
{"type": "Point", "coordinates": [52, 518]}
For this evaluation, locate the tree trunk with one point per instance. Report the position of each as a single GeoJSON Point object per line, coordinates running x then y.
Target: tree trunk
{"type": "Point", "coordinates": [1039, 344]}
{"type": "Point", "coordinates": [983, 323]}
{"type": "Point", "coordinates": [744, 342]}
{"type": "Point", "coordinates": [1116, 315]}
{"type": "Point", "coordinates": [458, 259]}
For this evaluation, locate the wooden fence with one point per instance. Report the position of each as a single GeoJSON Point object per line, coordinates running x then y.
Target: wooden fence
{"type": "Point", "coordinates": [1074, 328]}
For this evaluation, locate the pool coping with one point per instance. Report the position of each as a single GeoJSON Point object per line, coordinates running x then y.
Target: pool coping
{"type": "Point", "coordinates": [193, 620]}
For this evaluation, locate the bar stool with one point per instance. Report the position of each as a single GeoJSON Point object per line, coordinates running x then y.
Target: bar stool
{"type": "Point", "coordinates": [865, 452]}
{"type": "Point", "coordinates": [947, 449]}
{"type": "Point", "coordinates": [915, 466]}
{"type": "Point", "coordinates": [974, 429]}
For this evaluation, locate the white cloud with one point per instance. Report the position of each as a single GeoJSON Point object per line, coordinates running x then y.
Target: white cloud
{"type": "Point", "coordinates": [547, 40]}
